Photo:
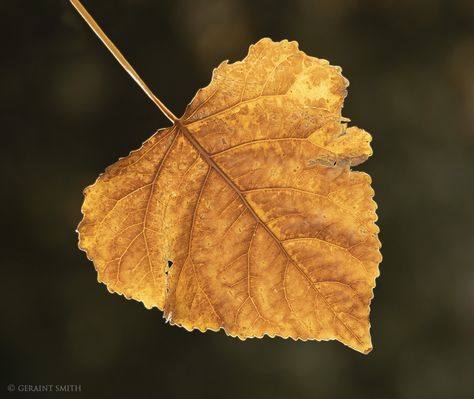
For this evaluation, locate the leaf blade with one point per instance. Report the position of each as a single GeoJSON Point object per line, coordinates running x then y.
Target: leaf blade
{"type": "Point", "coordinates": [269, 230]}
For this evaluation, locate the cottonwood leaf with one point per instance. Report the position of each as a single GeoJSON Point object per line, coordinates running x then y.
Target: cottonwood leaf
{"type": "Point", "coordinates": [251, 195]}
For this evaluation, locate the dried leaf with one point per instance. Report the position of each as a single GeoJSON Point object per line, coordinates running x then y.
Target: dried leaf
{"type": "Point", "coordinates": [251, 196]}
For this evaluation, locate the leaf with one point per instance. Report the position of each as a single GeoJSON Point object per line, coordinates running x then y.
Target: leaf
{"type": "Point", "coordinates": [251, 196]}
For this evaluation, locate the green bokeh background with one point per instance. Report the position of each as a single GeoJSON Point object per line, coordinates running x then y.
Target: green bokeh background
{"type": "Point", "coordinates": [68, 110]}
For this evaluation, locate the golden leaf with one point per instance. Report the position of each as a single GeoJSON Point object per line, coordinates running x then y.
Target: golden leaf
{"type": "Point", "coordinates": [251, 196]}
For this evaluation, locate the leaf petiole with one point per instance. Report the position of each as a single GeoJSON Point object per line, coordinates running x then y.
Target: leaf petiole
{"type": "Point", "coordinates": [121, 59]}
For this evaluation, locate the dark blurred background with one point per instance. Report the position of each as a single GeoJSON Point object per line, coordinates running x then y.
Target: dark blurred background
{"type": "Point", "coordinates": [68, 110]}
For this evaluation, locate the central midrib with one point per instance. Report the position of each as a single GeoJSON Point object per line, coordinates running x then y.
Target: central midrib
{"type": "Point", "coordinates": [183, 129]}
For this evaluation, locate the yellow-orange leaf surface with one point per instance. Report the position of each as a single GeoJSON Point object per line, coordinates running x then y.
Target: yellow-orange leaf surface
{"type": "Point", "coordinates": [251, 196]}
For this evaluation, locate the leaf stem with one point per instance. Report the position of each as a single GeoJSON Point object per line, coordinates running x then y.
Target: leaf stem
{"type": "Point", "coordinates": [121, 59]}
